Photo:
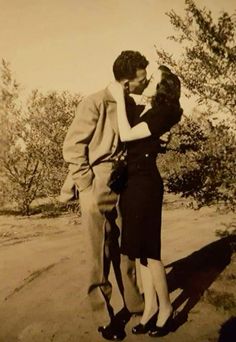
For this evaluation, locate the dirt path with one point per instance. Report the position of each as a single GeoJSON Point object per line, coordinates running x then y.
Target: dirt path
{"type": "Point", "coordinates": [43, 262]}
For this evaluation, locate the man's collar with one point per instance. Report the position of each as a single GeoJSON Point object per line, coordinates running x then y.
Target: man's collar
{"type": "Point", "coordinates": [108, 97]}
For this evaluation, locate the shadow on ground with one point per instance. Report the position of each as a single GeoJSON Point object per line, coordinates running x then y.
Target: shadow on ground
{"type": "Point", "coordinates": [195, 273]}
{"type": "Point", "coordinates": [228, 330]}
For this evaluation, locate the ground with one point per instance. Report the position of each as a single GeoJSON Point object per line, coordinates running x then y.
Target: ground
{"type": "Point", "coordinates": [43, 263]}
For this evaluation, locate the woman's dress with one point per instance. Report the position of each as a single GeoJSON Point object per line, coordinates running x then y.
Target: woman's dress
{"type": "Point", "coordinates": [141, 200]}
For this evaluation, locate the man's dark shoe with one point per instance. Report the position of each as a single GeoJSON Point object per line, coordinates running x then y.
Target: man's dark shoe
{"type": "Point", "coordinates": [123, 316]}
{"type": "Point", "coordinates": [115, 331]}
{"type": "Point", "coordinates": [112, 333]}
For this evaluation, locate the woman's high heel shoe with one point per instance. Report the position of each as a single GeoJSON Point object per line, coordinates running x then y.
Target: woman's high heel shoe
{"type": "Point", "coordinates": [164, 330]}
{"type": "Point", "coordinates": [144, 328]}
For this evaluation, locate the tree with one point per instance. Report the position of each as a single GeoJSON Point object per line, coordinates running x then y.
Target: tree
{"type": "Point", "coordinates": [203, 161]}
{"type": "Point", "coordinates": [200, 163]}
{"type": "Point", "coordinates": [207, 64]}
{"type": "Point", "coordinates": [20, 174]}
{"type": "Point", "coordinates": [31, 162]}
{"type": "Point", "coordinates": [48, 118]}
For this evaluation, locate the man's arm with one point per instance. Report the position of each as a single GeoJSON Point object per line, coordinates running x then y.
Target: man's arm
{"type": "Point", "coordinates": [75, 148]}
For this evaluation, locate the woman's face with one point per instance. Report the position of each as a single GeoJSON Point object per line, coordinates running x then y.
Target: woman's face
{"type": "Point", "coordinates": [152, 83]}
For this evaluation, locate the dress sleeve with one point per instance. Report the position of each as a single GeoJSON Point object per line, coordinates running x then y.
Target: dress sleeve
{"type": "Point", "coordinates": [161, 118]}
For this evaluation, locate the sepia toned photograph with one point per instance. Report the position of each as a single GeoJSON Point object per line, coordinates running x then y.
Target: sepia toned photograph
{"type": "Point", "coordinates": [117, 170]}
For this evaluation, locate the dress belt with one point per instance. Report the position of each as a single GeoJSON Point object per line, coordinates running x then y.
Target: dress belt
{"type": "Point", "coordinates": [147, 157]}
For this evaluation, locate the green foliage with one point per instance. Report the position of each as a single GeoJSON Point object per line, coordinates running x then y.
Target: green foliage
{"type": "Point", "coordinates": [201, 164]}
{"type": "Point", "coordinates": [221, 300]}
{"type": "Point", "coordinates": [20, 175]}
{"type": "Point", "coordinates": [48, 119]}
{"type": "Point", "coordinates": [31, 162]}
{"type": "Point", "coordinates": [207, 64]}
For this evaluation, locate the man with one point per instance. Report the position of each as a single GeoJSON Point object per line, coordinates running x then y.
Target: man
{"type": "Point", "coordinates": [91, 145]}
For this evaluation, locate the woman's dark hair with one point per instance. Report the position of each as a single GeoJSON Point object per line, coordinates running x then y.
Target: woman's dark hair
{"type": "Point", "coordinates": [127, 63]}
{"type": "Point", "coordinates": [168, 90]}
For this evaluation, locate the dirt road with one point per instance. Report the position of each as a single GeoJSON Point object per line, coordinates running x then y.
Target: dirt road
{"type": "Point", "coordinates": [43, 263]}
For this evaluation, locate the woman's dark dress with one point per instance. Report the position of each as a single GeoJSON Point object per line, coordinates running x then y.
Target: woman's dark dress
{"type": "Point", "coordinates": [141, 200]}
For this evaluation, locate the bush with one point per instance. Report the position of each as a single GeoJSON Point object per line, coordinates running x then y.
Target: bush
{"type": "Point", "coordinates": [200, 162]}
{"type": "Point", "coordinates": [31, 162]}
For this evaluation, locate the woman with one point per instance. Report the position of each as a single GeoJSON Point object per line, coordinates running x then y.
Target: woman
{"type": "Point", "coordinates": [141, 200]}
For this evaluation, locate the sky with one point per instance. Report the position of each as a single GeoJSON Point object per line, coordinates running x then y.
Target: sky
{"type": "Point", "coordinates": [71, 44]}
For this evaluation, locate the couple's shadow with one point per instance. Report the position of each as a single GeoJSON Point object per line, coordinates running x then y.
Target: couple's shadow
{"type": "Point", "coordinates": [195, 273]}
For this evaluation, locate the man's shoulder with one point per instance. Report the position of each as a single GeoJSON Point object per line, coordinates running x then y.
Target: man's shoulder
{"type": "Point", "coordinates": [93, 101]}
{"type": "Point", "coordinates": [97, 97]}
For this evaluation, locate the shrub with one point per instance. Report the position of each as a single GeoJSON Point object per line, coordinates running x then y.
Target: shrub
{"type": "Point", "coordinates": [31, 162]}
{"type": "Point", "coordinates": [200, 162]}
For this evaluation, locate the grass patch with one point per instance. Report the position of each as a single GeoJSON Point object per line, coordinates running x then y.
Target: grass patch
{"type": "Point", "coordinates": [221, 300]}
{"type": "Point", "coordinates": [47, 209]}
{"type": "Point", "coordinates": [230, 277]}
{"type": "Point", "coordinates": [55, 209]}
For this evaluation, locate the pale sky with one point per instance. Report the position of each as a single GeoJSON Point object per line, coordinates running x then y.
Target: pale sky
{"type": "Point", "coordinates": [71, 44]}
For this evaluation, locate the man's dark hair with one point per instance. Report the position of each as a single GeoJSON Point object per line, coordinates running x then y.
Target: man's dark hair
{"type": "Point", "coordinates": [127, 63]}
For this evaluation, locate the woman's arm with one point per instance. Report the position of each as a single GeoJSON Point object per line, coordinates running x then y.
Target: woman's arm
{"type": "Point", "coordinates": [127, 133]}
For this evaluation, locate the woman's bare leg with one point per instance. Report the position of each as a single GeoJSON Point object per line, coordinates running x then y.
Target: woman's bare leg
{"type": "Point", "coordinates": [150, 300]}
{"type": "Point", "coordinates": [158, 274]}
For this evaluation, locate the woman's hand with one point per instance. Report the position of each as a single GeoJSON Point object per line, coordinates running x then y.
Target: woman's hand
{"type": "Point", "coordinates": [166, 137]}
{"type": "Point", "coordinates": [116, 90]}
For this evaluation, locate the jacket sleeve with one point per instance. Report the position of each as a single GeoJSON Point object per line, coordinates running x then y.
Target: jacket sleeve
{"type": "Point", "coordinates": [76, 144]}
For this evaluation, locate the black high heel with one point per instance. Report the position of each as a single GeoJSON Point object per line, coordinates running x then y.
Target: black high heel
{"type": "Point", "coordinates": [144, 328]}
{"type": "Point", "coordinates": [164, 330]}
